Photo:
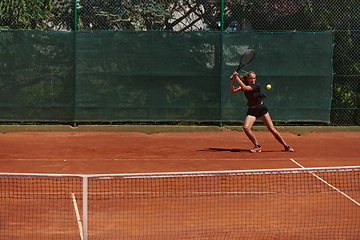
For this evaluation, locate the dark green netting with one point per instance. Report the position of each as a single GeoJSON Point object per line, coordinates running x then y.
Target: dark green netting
{"type": "Point", "coordinates": [148, 76]}
{"type": "Point", "coordinates": [36, 76]}
{"type": "Point", "coordinates": [297, 65]}
{"type": "Point", "coordinates": [160, 76]}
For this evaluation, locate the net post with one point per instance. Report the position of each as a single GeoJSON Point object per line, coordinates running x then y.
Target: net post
{"type": "Point", "coordinates": [85, 207]}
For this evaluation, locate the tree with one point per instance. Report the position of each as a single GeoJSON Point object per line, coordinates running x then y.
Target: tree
{"type": "Point", "coordinates": [23, 14]}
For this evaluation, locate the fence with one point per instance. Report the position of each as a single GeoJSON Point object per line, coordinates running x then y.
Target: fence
{"type": "Point", "coordinates": [258, 16]}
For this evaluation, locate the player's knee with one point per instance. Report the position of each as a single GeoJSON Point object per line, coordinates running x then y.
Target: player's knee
{"type": "Point", "coordinates": [273, 130]}
{"type": "Point", "coordinates": [246, 128]}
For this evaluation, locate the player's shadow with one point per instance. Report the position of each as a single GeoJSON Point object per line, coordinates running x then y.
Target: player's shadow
{"type": "Point", "coordinates": [224, 150]}
{"type": "Point", "coordinates": [230, 150]}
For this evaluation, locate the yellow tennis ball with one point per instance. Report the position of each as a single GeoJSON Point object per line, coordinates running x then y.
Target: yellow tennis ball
{"type": "Point", "coordinates": [268, 86]}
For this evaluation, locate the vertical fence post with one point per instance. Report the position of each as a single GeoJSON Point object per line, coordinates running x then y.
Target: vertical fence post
{"type": "Point", "coordinates": [75, 15]}
{"type": "Point", "coordinates": [222, 15]}
{"type": "Point", "coordinates": [221, 58]}
{"type": "Point", "coordinates": [85, 207]}
{"type": "Point", "coordinates": [75, 29]}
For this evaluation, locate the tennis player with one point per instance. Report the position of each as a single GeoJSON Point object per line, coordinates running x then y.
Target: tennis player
{"type": "Point", "coordinates": [256, 108]}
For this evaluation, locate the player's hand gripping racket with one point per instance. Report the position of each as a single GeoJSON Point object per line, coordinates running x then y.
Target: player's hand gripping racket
{"type": "Point", "coordinates": [246, 58]}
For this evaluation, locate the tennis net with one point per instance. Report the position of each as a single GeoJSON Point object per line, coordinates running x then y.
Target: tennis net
{"type": "Point", "coordinates": [313, 203]}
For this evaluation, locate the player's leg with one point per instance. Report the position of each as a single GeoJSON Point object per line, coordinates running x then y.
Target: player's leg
{"type": "Point", "coordinates": [248, 123]}
{"type": "Point", "coordinates": [266, 119]}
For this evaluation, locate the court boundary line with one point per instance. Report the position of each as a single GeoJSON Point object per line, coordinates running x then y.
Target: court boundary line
{"type": "Point", "coordinates": [147, 159]}
{"type": "Point", "coordinates": [167, 159]}
{"type": "Point", "coordinates": [331, 186]}
{"type": "Point", "coordinates": [77, 215]}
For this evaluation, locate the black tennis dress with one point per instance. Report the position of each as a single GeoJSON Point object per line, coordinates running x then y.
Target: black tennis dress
{"type": "Point", "coordinates": [255, 102]}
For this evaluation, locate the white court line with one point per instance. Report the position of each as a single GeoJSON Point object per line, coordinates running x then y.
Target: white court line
{"type": "Point", "coordinates": [164, 159]}
{"type": "Point", "coordinates": [167, 159]}
{"type": "Point", "coordinates": [328, 184]}
{"type": "Point", "coordinates": [77, 215]}
{"type": "Point", "coordinates": [157, 159]}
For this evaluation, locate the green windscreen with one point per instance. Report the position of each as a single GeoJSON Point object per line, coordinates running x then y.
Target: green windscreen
{"type": "Point", "coordinates": [148, 76]}
{"type": "Point", "coordinates": [115, 76]}
{"type": "Point", "coordinates": [36, 76]}
{"type": "Point", "coordinates": [297, 65]}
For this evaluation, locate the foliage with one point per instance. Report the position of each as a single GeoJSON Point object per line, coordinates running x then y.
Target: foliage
{"type": "Point", "coordinates": [62, 15]}
{"type": "Point", "coordinates": [24, 14]}
{"type": "Point", "coordinates": [344, 95]}
{"type": "Point", "coordinates": [344, 104]}
{"type": "Point", "coordinates": [130, 15]}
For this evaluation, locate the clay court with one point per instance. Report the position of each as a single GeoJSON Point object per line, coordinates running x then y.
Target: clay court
{"type": "Point", "coordinates": [134, 152]}
{"type": "Point", "coordinates": [90, 152]}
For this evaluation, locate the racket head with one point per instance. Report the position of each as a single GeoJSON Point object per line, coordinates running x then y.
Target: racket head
{"type": "Point", "coordinates": [248, 56]}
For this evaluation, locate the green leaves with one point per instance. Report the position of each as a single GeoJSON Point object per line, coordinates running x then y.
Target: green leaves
{"type": "Point", "coordinates": [23, 14]}
{"type": "Point", "coordinates": [131, 15]}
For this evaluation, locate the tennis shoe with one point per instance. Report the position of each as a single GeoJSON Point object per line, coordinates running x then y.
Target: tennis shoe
{"type": "Point", "coordinates": [288, 148]}
{"type": "Point", "coordinates": [257, 148]}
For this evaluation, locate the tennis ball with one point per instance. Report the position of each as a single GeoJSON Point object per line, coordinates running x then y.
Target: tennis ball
{"type": "Point", "coordinates": [268, 86]}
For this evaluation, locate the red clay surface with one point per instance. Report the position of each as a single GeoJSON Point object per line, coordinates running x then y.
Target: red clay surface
{"type": "Point", "coordinates": [304, 209]}
{"type": "Point", "coordinates": [131, 152]}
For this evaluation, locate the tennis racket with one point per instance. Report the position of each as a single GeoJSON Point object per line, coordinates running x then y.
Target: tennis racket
{"type": "Point", "coordinates": [246, 58]}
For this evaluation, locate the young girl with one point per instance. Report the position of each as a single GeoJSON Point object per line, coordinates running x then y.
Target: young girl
{"type": "Point", "coordinates": [256, 108]}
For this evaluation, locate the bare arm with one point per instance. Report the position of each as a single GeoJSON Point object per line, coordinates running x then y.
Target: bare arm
{"type": "Point", "coordinates": [234, 89]}
{"type": "Point", "coordinates": [241, 84]}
